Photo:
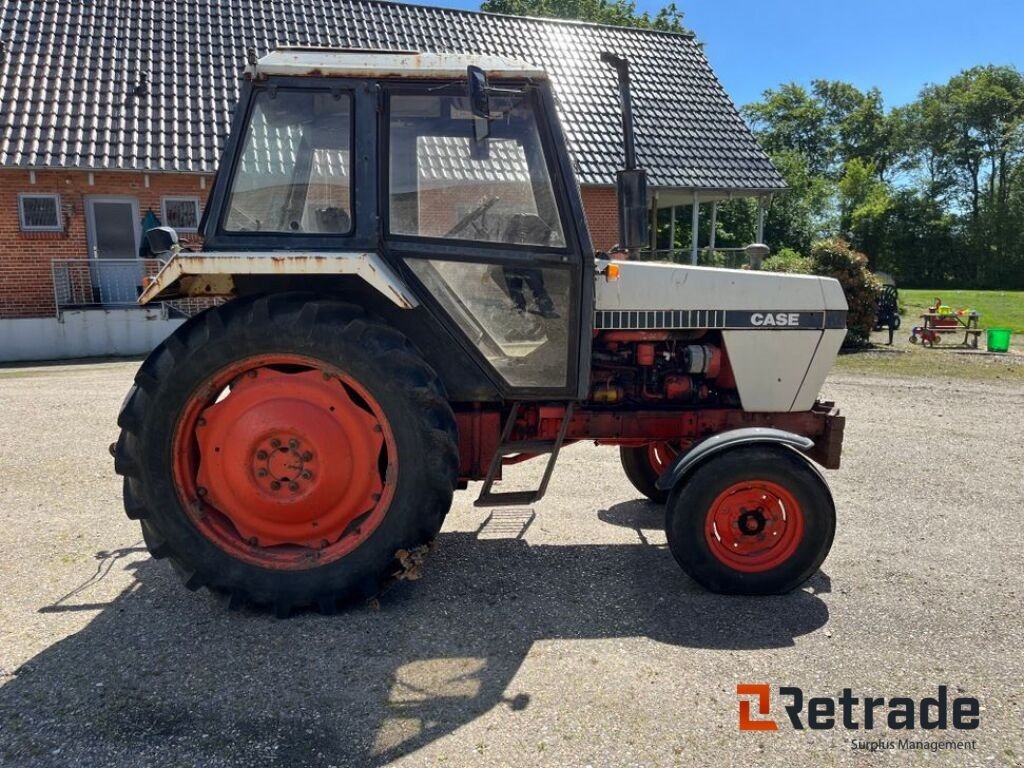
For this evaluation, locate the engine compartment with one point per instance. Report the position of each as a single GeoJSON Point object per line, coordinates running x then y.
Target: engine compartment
{"type": "Point", "coordinates": [677, 367]}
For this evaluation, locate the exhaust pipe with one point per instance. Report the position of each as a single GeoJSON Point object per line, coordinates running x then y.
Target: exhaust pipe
{"type": "Point", "coordinates": [631, 183]}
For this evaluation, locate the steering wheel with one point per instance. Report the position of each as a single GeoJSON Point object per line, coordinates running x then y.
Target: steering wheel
{"type": "Point", "coordinates": [471, 217]}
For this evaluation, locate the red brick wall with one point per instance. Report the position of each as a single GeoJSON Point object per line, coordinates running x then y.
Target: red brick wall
{"type": "Point", "coordinates": [602, 211]}
{"type": "Point", "coordinates": [26, 282]}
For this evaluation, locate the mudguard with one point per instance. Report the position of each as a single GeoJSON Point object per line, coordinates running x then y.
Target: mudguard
{"type": "Point", "coordinates": [212, 273]}
{"type": "Point", "coordinates": [724, 441]}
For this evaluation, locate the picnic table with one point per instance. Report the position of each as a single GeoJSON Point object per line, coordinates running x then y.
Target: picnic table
{"type": "Point", "coordinates": [951, 322]}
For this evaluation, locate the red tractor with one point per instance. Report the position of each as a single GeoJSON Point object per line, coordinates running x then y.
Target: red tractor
{"type": "Point", "coordinates": [409, 301]}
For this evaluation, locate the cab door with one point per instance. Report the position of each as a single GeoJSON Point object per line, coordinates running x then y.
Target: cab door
{"type": "Point", "coordinates": [482, 227]}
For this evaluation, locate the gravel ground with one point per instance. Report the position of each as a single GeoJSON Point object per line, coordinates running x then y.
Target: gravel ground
{"type": "Point", "coordinates": [579, 642]}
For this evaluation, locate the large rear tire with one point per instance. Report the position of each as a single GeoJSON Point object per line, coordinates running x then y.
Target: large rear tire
{"type": "Point", "coordinates": [755, 520]}
{"type": "Point", "coordinates": [643, 466]}
{"type": "Point", "coordinates": [288, 451]}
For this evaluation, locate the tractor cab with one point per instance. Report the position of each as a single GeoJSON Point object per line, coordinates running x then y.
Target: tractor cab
{"type": "Point", "coordinates": [450, 171]}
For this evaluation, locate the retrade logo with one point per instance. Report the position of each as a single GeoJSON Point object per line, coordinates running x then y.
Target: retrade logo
{"type": "Point", "coordinates": [852, 712]}
{"type": "Point", "coordinates": [762, 694]}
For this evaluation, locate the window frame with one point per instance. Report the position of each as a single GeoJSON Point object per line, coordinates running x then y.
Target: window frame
{"type": "Point", "coordinates": [181, 199]}
{"type": "Point", "coordinates": [55, 196]}
{"type": "Point", "coordinates": [454, 245]}
{"type": "Point", "coordinates": [345, 90]}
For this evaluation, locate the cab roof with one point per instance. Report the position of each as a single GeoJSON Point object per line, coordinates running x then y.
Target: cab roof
{"type": "Point", "coordinates": [332, 62]}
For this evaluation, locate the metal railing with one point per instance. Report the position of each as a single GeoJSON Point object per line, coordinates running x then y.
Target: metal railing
{"type": "Point", "coordinates": [730, 258]}
{"type": "Point", "coordinates": [112, 284]}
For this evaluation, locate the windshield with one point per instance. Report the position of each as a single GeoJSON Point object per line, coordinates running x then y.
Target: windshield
{"type": "Point", "coordinates": [294, 171]}
{"type": "Point", "coordinates": [446, 184]}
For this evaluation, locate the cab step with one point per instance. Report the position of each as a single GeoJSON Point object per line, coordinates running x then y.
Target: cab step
{"type": "Point", "coordinates": [506, 449]}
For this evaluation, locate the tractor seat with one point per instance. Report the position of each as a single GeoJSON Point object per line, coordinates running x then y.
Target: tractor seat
{"type": "Point", "coordinates": [527, 229]}
{"type": "Point", "coordinates": [333, 220]}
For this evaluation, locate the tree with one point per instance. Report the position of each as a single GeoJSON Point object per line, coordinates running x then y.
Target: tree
{"type": "Point", "coordinates": [792, 120]}
{"type": "Point", "coordinates": [864, 205]}
{"type": "Point", "coordinates": [619, 13]}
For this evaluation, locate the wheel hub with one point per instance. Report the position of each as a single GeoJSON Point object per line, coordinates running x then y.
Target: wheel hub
{"type": "Point", "coordinates": [284, 465]}
{"type": "Point", "coordinates": [754, 526]}
{"type": "Point", "coordinates": [290, 458]}
{"type": "Point", "coordinates": [751, 523]}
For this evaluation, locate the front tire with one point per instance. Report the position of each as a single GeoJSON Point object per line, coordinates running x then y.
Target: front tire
{"type": "Point", "coordinates": [754, 520]}
{"type": "Point", "coordinates": [643, 466]}
{"type": "Point", "coordinates": [288, 451]}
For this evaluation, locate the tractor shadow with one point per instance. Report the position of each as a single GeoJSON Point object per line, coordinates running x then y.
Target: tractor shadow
{"type": "Point", "coordinates": [162, 673]}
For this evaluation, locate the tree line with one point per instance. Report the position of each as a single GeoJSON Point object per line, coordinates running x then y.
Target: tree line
{"type": "Point", "coordinates": [932, 192]}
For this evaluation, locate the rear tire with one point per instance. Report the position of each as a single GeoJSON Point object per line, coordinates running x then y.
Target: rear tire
{"type": "Point", "coordinates": [643, 466]}
{"type": "Point", "coordinates": [399, 426]}
{"type": "Point", "coordinates": [755, 520]}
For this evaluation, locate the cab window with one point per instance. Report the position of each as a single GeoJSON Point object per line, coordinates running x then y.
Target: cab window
{"type": "Point", "coordinates": [446, 184]}
{"type": "Point", "coordinates": [294, 173]}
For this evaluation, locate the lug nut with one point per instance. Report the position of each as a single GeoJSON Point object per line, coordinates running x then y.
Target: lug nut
{"type": "Point", "coordinates": [307, 456]}
{"type": "Point", "coordinates": [293, 443]}
{"type": "Point", "coordinates": [261, 455]}
{"type": "Point", "coordinates": [261, 472]}
{"type": "Point", "coordinates": [307, 475]}
{"type": "Point", "coordinates": [275, 486]}
{"type": "Point", "coordinates": [293, 486]}
{"type": "Point", "coordinates": [275, 443]}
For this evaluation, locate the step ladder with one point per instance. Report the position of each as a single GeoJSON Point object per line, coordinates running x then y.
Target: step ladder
{"type": "Point", "coordinates": [505, 449]}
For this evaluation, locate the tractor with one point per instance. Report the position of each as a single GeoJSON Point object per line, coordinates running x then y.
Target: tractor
{"type": "Point", "coordinates": [403, 298]}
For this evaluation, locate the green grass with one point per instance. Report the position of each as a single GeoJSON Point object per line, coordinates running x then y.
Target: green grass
{"type": "Point", "coordinates": [918, 362]}
{"type": "Point", "coordinates": [998, 309]}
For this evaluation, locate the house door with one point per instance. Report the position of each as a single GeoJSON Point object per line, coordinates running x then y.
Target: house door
{"type": "Point", "coordinates": [113, 232]}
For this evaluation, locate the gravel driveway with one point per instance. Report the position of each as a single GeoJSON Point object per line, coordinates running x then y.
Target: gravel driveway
{"type": "Point", "coordinates": [578, 642]}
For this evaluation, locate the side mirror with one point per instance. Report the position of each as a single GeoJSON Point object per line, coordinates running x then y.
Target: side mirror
{"type": "Point", "coordinates": [162, 240]}
{"type": "Point", "coordinates": [634, 226]}
{"type": "Point", "coordinates": [478, 91]}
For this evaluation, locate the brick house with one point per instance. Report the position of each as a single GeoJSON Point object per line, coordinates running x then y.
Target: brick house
{"type": "Point", "coordinates": [113, 114]}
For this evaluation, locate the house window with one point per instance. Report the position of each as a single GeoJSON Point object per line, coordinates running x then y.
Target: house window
{"type": "Point", "coordinates": [181, 213]}
{"type": "Point", "coordinates": [40, 213]}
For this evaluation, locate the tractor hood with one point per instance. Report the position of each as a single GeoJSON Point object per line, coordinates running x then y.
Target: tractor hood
{"type": "Point", "coordinates": [781, 332]}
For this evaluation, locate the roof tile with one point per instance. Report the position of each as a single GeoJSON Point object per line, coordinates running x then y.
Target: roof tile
{"type": "Point", "coordinates": [77, 63]}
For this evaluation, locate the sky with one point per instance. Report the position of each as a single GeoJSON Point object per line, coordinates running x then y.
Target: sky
{"type": "Point", "coordinates": [896, 45]}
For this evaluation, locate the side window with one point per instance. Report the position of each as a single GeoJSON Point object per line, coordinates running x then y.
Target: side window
{"type": "Point", "coordinates": [446, 184]}
{"type": "Point", "coordinates": [517, 317]}
{"type": "Point", "coordinates": [294, 173]}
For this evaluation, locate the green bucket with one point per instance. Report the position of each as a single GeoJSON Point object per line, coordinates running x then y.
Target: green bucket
{"type": "Point", "coordinates": [999, 339]}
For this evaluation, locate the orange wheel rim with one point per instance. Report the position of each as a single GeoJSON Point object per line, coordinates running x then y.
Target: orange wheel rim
{"type": "Point", "coordinates": [284, 462]}
{"type": "Point", "coordinates": [661, 455]}
{"type": "Point", "coordinates": [754, 526]}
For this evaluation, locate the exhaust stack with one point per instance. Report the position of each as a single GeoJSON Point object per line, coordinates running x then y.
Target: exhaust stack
{"type": "Point", "coordinates": [632, 181]}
